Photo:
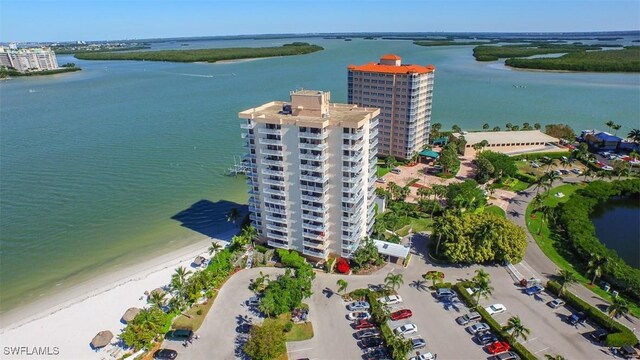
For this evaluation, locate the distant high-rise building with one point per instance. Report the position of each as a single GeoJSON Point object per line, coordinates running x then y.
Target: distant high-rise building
{"type": "Point", "coordinates": [403, 93]}
{"type": "Point", "coordinates": [312, 173]}
{"type": "Point", "coordinates": [31, 59]}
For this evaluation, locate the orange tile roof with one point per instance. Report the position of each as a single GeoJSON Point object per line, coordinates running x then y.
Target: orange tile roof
{"type": "Point", "coordinates": [392, 69]}
{"type": "Point", "coordinates": [390, 57]}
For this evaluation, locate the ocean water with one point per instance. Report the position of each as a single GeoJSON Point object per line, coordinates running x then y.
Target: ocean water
{"type": "Point", "coordinates": [124, 160]}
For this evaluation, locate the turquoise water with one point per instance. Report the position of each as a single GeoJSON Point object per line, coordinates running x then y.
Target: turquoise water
{"type": "Point", "coordinates": [617, 223]}
{"type": "Point", "coordinates": [95, 164]}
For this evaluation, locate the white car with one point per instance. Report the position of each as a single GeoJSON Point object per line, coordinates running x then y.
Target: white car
{"type": "Point", "coordinates": [358, 306]}
{"type": "Point", "coordinates": [479, 327]}
{"type": "Point", "coordinates": [359, 315]}
{"type": "Point", "coordinates": [576, 171]}
{"type": "Point", "coordinates": [427, 356]}
{"type": "Point", "coordinates": [495, 309]}
{"type": "Point", "coordinates": [390, 300]}
{"type": "Point", "coordinates": [406, 329]}
{"type": "Point", "coordinates": [607, 168]}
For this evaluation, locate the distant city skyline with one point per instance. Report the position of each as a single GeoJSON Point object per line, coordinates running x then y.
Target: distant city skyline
{"type": "Point", "coordinates": [71, 20]}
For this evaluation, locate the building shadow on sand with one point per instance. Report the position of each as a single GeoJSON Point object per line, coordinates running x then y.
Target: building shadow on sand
{"type": "Point", "coordinates": [210, 218]}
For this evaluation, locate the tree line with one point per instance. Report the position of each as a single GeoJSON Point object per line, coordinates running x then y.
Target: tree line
{"type": "Point", "coordinates": [625, 60]}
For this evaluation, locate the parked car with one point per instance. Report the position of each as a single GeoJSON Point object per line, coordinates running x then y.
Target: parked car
{"type": "Point", "coordinates": [485, 338]}
{"type": "Point", "coordinates": [380, 180]}
{"type": "Point", "coordinates": [577, 318]}
{"type": "Point", "coordinates": [626, 352]}
{"type": "Point", "coordinates": [253, 301]}
{"type": "Point", "coordinates": [358, 306]}
{"type": "Point", "coordinates": [179, 334]}
{"type": "Point", "coordinates": [390, 300]}
{"type": "Point", "coordinates": [444, 292]}
{"type": "Point", "coordinates": [576, 171]}
{"type": "Point", "coordinates": [495, 309]}
{"type": "Point", "coordinates": [599, 335]}
{"type": "Point", "coordinates": [498, 347]}
{"type": "Point", "coordinates": [467, 318]}
{"type": "Point", "coordinates": [379, 353]}
{"type": "Point", "coordinates": [535, 165]}
{"type": "Point", "coordinates": [418, 343]}
{"type": "Point", "coordinates": [507, 356]}
{"type": "Point", "coordinates": [406, 329]}
{"type": "Point", "coordinates": [535, 289]}
{"type": "Point", "coordinates": [371, 342]}
{"type": "Point", "coordinates": [558, 172]}
{"type": "Point", "coordinates": [564, 158]}
{"type": "Point", "coordinates": [395, 171]}
{"type": "Point", "coordinates": [425, 356]}
{"type": "Point", "coordinates": [479, 327]}
{"type": "Point", "coordinates": [556, 303]}
{"type": "Point", "coordinates": [363, 324]}
{"type": "Point", "coordinates": [564, 172]}
{"type": "Point", "coordinates": [359, 315]}
{"type": "Point", "coordinates": [368, 333]}
{"type": "Point", "coordinates": [165, 354]}
{"type": "Point", "coordinates": [401, 314]}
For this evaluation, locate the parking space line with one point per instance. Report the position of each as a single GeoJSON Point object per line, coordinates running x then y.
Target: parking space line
{"type": "Point", "coordinates": [529, 340]}
{"type": "Point", "coordinates": [541, 350]}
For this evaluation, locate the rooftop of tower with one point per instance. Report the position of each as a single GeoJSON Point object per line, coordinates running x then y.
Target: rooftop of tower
{"type": "Point", "coordinates": [392, 64]}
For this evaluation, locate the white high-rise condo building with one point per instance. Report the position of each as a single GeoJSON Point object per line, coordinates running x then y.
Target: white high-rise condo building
{"type": "Point", "coordinates": [32, 59]}
{"type": "Point", "coordinates": [403, 93]}
{"type": "Point", "coordinates": [312, 173]}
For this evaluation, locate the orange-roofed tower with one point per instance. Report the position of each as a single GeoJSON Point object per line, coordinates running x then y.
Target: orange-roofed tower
{"type": "Point", "coordinates": [403, 93]}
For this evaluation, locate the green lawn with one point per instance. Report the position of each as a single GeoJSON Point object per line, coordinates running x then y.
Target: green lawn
{"type": "Point", "coordinates": [299, 332]}
{"type": "Point", "coordinates": [382, 170]}
{"type": "Point", "coordinates": [193, 321]}
{"type": "Point", "coordinates": [551, 246]}
{"type": "Point", "coordinates": [493, 209]}
{"type": "Point", "coordinates": [417, 225]}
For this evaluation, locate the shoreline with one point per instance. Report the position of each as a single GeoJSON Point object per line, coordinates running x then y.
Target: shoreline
{"type": "Point", "coordinates": [70, 319]}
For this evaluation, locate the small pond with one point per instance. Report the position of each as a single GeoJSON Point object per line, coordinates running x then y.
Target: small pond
{"type": "Point", "coordinates": [617, 223]}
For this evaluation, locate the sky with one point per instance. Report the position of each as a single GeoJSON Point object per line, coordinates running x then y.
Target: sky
{"type": "Point", "coordinates": [70, 20]}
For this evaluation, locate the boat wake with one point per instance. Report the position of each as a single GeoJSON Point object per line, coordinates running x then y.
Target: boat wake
{"type": "Point", "coordinates": [196, 75]}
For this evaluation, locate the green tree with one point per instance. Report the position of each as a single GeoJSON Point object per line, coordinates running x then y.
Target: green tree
{"type": "Point", "coordinates": [526, 126]}
{"type": "Point", "coordinates": [456, 128]}
{"type": "Point", "coordinates": [434, 276]}
{"type": "Point", "coordinates": [157, 299]}
{"type": "Point", "coordinates": [215, 247]}
{"type": "Point", "coordinates": [481, 275]}
{"type": "Point", "coordinates": [260, 282]}
{"type": "Point", "coordinates": [141, 331]}
{"type": "Point", "coordinates": [609, 124]}
{"type": "Point", "coordinates": [484, 170]}
{"type": "Point", "coordinates": [621, 168]}
{"type": "Point", "coordinates": [485, 126]}
{"type": "Point", "coordinates": [250, 234]}
{"type": "Point", "coordinates": [634, 135]}
{"type": "Point", "coordinates": [390, 161]}
{"type": "Point", "coordinates": [595, 266]}
{"type": "Point", "coordinates": [619, 307]}
{"type": "Point", "coordinates": [393, 281]}
{"type": "Point", "coordinates": [554, 357]}
{"type": "Point", "coordinates": [509, 126]}
{"type": "Point", "coordinates": [482, 288]}
{"type": "Point", "coordinates": [496, 128]}
{"type": "Point", "coordinates": [566, 279]}
{"type": "Point", "coordinates": [266, 342]}
{"type": "Point", "coordinates": [560, 131]}
{"type": "Point", "coordinates": [435, 131]}
{"type": "Point", "coordinates": [515, 128]}
{"type": "Point", "coordinates": [423, 192]}
{"type": "Point", "coordinates": [516, 328]}
{"type": "Point", "coordinates": [342, 285]}
{"type": "Point", "coordinates": [503, 165]}
{"type": "Point", "coordinates": [547, 161]}
{"type": "Point", "coordinates": [537, 126]}
{"type": "Point", "coordinates": [465, 196]}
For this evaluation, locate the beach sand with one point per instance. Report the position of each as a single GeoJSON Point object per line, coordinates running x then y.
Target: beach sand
{"type": "Point", "coordinates": [65, 323]}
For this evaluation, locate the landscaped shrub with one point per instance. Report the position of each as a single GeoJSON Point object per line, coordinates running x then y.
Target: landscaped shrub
{"type": "Point", "coordinates": [329, 264]}
{"type": "Point", "coordinates": [261, 248]}
{"type": "Point", "coordinates": [343, 266]}
{"type": "Point", "coordinates": [619, 334]}
{"type": "Point", "coordinates": [291, 259]}
{"type": "Point", "coordinates": [535, 156]}
{"type": "Point", "coordinates": [288, 326]}
{"type": "Point", "coordinates": [525, 177]}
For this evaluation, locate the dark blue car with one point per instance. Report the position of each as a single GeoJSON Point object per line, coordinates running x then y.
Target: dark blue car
{"type": "Point", "coordinates": [535, 289]}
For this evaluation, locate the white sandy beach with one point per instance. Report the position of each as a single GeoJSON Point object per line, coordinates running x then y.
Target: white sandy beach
{"type": "Point", "coordinates": [67, 322]}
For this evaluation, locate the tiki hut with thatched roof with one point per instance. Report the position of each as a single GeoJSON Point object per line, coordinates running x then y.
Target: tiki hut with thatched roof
{"type": "Point", "coordinates": [130, 314]}
{"type": "Point", "coordinates": [199, 260]}
{"type": "Point", "coordinates": [102, 339]}
{"type": "Point", "coordinates": [159, 291]}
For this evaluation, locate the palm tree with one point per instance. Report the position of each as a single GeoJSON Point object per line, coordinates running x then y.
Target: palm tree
{"type": "Point", "coordinates": [393, 281]}
{"type": "Point", "coordinates": [496, 128]}
{"type": "Point", "coordinates": [634, 135]}
{"type": "Point", "coordinates": [250, 234]}
{"type": "Point", "coordinates": [485, 126]}
{"type": "Point", "coordinates": [551, 177]}
{"type": "Point", "coordinates": [587, 173]}
{"type": "Point", "coordinates": [509, 126]}
{"type": "Point", "coordinates": [233, 215]}
{"type": "Point", "coordinates": [526, 126]}
{"type": "Point", "coordinates": [215, 247]}
{"type": "Point", "coordinates": [554, 357]}
{"type": "Point", "coordinates": [482, 275]}
{"type": "Point", "coordinates": [259, 283]}
{"type": "Point", "coordinates": [595, 266]}
{"type": "Point", "coordinates": [537, 126]}
{"type": "Point", "coordinates": [482, 289]}
{"type": "Point", "coordinates": [609, 124]}
{"type": "Point", "coordinates": [456, 128]}
{"type": "Point", "coordinates": [157, 299]}
{"type": "Point", "coordinates": [423, 192]}
{"type": "Point", "coordinates": [566, 278]}
{"type": "Point", "coordinates": [616, 127]}
{"type": "Point", "coordinates": [547, 161]}
{"type": "Point", "coordinates": [540, 182]}
{"type": "Point", "coordinates": [433, 276]}
{"type": "Point", "coordinates": [565, 162]}
{"type": "Point", "coordinates": [618, 308]}
{"type": "Point", "coordinates": [342, 285]}
{"type": "Point", "coordinates": [515, 128]}
{"type": "Point", "coordinates": [514, 325]}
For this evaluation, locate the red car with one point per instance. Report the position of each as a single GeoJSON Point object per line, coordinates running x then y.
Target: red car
{"type": "Point", "coordinates": [362, 324]}
{"type": "Point", "coordinates": [401, 314]}
{"type": "Point", "coordinates": [498, 347]}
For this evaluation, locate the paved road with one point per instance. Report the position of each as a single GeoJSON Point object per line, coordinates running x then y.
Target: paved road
{"type": "Point", "coordinates": [535, 258]}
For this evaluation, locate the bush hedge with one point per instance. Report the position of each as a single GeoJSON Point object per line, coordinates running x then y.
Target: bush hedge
{"type": "Point", "coordinates": [460, 288]}
{"type": "Point", "coordinates": [534, 156]}
{"type": "Point", "coordinates": [526, 178]}
{"type": "Point", "coordinates": [619, 335]}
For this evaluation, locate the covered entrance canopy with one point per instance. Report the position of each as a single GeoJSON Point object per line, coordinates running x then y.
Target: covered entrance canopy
{"type": "Point", "coordinates": [430, 154]}
{"type": "Point", "coordinates": [396, 252]}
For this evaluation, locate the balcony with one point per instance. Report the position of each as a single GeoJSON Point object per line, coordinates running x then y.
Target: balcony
{"type": "Point", "coordinates": [272, 162]}
{"type": "Point", "coordinates": [271, 172]}
{"type": "Point", "coordinates": [273, 182]}
{"type": "Point", "coordinates": [352, 179]}
{"type": "Point", "coordinates": [357, 157]}
{"type": "Point", "coordinates": [321, 245]}
{"type": "Point", "coordinates": [354, 215]}
{"type": "Point", "coordinates": [271, 209]}
{"type": "Point", "coordinates": [311, 198]}
{"type": "Point", "coordinates": [277, 227]}
{"type": "Point", "coordinates": [273, 191]}
{"type": "Point", "coordinates": [373, 134]}
{"type": "Point", "coordinates": [373, 143]}
{"type": "Point", "coordinates": [254, 217]}
{"type": "Point", "coordinates": [280, 220]}
{"type": "Point", "coordinates": [353, 238]}
{"type": "Point", "coordinates": [318, 208]}
{"type": "Point", "coordinates": [374, 123]}
{"type": "Point", "coordinates": [311, 146]}
{"type": "Point", "coordinates": [312, 178]}
{"type": "Point", "coordinates": [309, 156]}
{"type": "Point", "coordinates": [312, 217]}
{"type": "Point", "coordinates": [315, 253]}
{"type": "Point", "coordinates": [353, 199]}
{"type": "Point", "coordinates": [353, 147]}
{"type": "Point", "coordinates": [371, 215]}
{"type": "Point", "coordinates": [316, 189]}
{"type": "Point", "coordinates": [313, 227]}
{"type": "Point", "coordinates": [264, 141]}
{"type": "Point", "coordinates": [254, 208]}
{"type": "Point", "coordinates": [250, 156]}
{"type": "Point", "coordinates": [357, 168]}
{"type": "Point", "coordinates": [357, 136]}
{"type": "Point", "coordinates": [313, 135]}
{"type": "Point", "coordinates": [254, 200]}
{"type": "Point", "coordinates": [267, 131]}
{"type": "Point", "coordinates": [271, 152]}
{"type": "Point", "coordinates": [317, 168]}
{"type": "Point", "coordinates": [248, 126]}
{"type": "Point", "coordinates": [275, 201]}
{"type": "Point", "coordinates": [278, 244]}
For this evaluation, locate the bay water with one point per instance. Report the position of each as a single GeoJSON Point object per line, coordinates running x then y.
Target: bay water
{"type": "Point", "coordinates": [125, 160]}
